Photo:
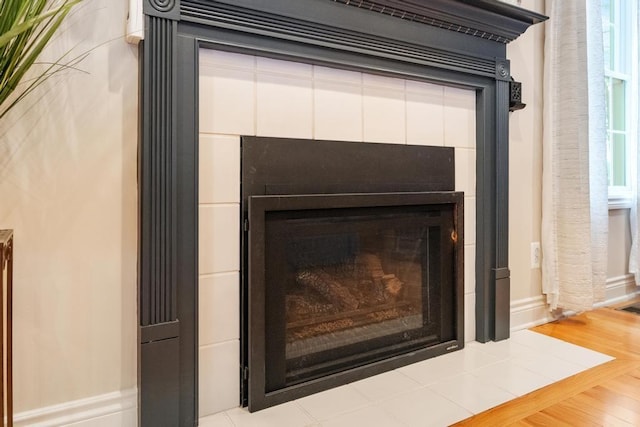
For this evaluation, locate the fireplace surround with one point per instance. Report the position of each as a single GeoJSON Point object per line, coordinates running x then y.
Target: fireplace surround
{"type": "Point", "coordinates": [455, 43]}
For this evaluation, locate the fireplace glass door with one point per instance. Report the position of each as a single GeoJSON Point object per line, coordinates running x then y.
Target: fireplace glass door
{"type": "Point", "coordinates": [350, 280]}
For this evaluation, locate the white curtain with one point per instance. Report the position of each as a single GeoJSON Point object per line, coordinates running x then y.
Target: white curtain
{"type": "Point", "coordinates": [574, 188]}
{"type": "Point", "coordinates": [634, 256]}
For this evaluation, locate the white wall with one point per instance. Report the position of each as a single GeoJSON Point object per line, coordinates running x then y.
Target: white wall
{"type": "Point", "coordinates": [620, 284]}
{"type": "Point", "coordinates": [619, 243]}
{"type": "Point", "coordinates": [525, 158]}
{"type": "Point", "coordinates": [247, 95]}
{"type": "Point", "coordinates": [68, 189]}
{"type": "Point", "coordinates": [526, 54]}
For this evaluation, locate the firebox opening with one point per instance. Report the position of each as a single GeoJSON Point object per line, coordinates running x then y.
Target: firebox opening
{"type": "Point", "coordinates": [344, 285]}
{"type": "Point", "coordinates": [359, 285]}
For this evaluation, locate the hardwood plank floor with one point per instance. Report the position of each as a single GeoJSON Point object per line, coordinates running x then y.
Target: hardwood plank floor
{"type": "Point", "coordinates": [607, 395]}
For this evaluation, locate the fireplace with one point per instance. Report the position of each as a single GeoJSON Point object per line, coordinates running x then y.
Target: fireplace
{"type": "Point", "coordinates": [352, 262]}
{"type": "Point", "coordinates": [455, 43]}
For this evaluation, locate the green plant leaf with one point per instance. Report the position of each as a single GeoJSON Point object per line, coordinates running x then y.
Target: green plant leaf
{"type": "Point", "coordinates": [26, 27]}
{"type": "Point", "coordinates": [29, 25]}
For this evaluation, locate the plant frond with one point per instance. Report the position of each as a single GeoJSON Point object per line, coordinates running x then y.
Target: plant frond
{"type": "Point", "coordinates": [26, 27]}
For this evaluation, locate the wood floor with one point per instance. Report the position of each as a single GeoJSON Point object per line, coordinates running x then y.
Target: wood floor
{"type": "Point", "coordinates": [607, 395]}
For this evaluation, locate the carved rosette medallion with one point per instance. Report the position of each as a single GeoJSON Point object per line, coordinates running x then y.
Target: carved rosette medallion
{"type": "Point", "coordinates": [502, 70]}
{"type": "Point", "coordinates": [167, 9]}
{"type": "Point", "coordinates": [163, 5]}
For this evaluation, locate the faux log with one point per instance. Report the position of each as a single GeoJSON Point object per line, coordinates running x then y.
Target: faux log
{"type": "Point", "coordinates": [372, 264]}
{"type": "Point", "coordinates": [392, 285]}
{"type": "Point", "coordinates": [328, 288]}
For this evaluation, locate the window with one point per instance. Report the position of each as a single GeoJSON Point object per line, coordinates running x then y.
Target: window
{"type": "Point", "coordinates": [620, 70]}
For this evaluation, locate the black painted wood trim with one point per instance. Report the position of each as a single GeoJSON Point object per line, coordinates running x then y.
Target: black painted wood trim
{"type": "Point", "coordinates": [187, 224]}
{"type": "Point", "coordinates": [485, 19]}
{"type": "Point", "coordinates": [502, 305]}
{"type": "Point", "coordinates": [158, 295]}
{"type": "Point", "coordinates": [485, 211]}
{"type": "Point", "coordinates": [159, 331]}
{"type": "Point", "coordinates": [502, 172]}
{"type": "Point", "coordinates": [160, 377]}
{"type": "Point", "coordinates": [157, 176]}
{"type": "Point", "coordinates": [347, 31]}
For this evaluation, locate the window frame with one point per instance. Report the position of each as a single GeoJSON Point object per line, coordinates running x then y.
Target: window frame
{"type": "Point", "coordinates": [620, 196]}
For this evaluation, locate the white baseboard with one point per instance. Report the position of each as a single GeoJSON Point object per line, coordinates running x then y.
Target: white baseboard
{"type": "Point", "coordinates": [529, 312]}
{"type": "Point", "coordinates": [620, 289]}
{"type": "Point", "coordinates": [118, 408]}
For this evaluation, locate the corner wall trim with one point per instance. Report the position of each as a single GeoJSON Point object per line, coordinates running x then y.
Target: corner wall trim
{"type": "Point", "coordinates": [121, 405]}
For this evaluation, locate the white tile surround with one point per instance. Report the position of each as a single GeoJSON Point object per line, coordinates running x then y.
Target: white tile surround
{"type": "Point", "coordinates": [247, 95]}
{"type": "Point", "coordinates": [436, 392]}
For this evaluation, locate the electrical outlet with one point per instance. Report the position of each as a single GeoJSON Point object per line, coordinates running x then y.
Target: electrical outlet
{"type": "Point", "coordinates": [535, 255]}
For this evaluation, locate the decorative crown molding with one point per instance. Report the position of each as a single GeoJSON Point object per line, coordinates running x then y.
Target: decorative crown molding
{"type": "Point", "coordinates": [488, 19]}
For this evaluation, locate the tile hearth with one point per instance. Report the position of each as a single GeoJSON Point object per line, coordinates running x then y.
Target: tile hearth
{"type": "Point", "coordinates": [435, 392]}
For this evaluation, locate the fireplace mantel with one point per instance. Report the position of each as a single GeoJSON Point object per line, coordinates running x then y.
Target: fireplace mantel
{"type": "Point", "coordinates": [458, 43]}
